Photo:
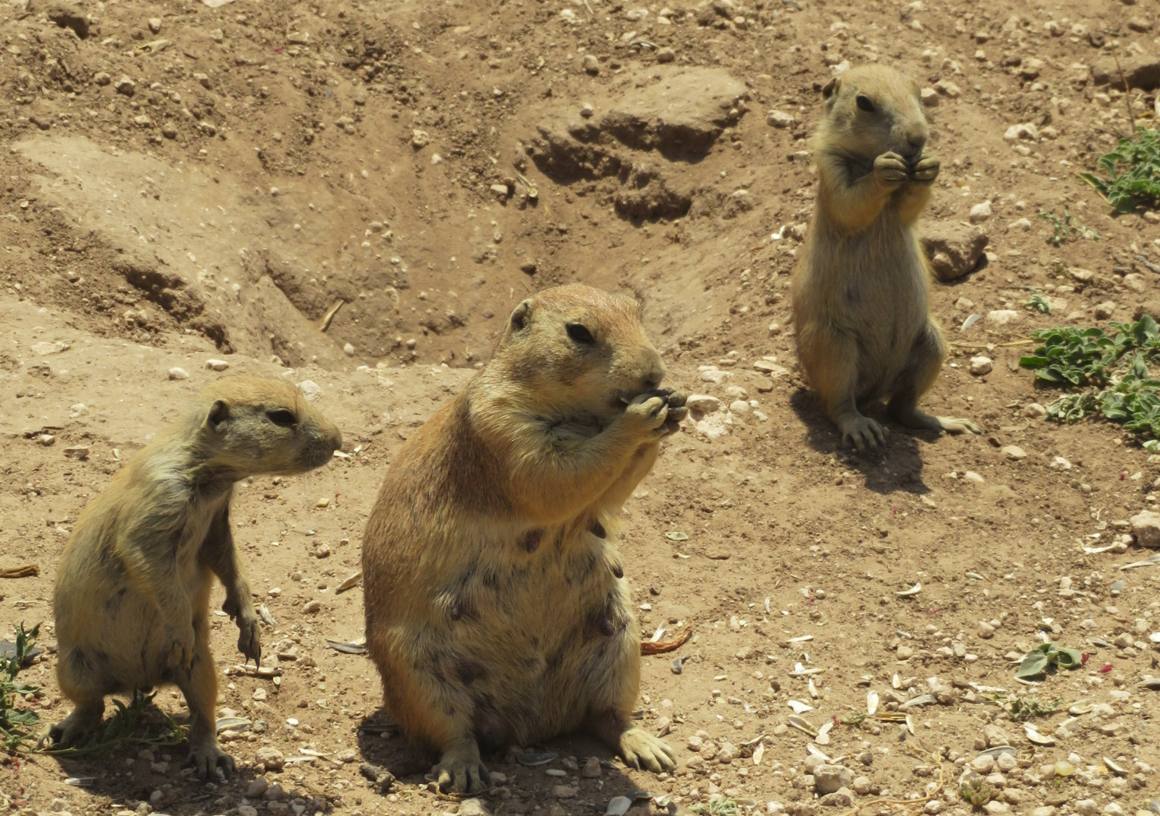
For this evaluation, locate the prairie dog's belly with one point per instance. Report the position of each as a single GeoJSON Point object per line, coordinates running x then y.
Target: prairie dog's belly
{"type": "Point", "coordinates": [526, 630]}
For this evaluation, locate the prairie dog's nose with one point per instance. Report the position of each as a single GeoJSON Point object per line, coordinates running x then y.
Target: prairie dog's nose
{"type": "Point", "coordinates": [656, 375]}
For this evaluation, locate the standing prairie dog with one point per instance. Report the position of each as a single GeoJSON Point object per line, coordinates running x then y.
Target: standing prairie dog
{"type": "Point", "coordinates": [861, 289]}
{"type": "Point", "coordinates": [496, 605]}
{"type": "Point", "coordinates": [132, 591]}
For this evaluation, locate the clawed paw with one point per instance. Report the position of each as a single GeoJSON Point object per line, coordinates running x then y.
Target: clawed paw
{"type": "Point", "coordinates": [642, 750]}
{"type": "Point", "coordinates": [925, 169]}
{"type": "Point", "coordinates": [891, 170]}
{"type": "Point", "coordinates": [207, 759]}
{"type": "Point", "coordinates": [863, 433]}
{"type": "Point", "coordinates": [461, 776]}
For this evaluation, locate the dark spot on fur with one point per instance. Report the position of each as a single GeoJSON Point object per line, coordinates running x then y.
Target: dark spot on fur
{"type": "Point", "coordinates": [456, 610]}
{"type": "Point", "coordinates": [530, 541]}
{"type": "Point", "coordinates": [600, 622]}
{"type": "Point", "coordinates": [114, 600]}
{"type": "Point", "coordinates": [617, 570]}
{"type": "Point", "coordinates": [596, 528]}
{"type": "Point", "coordinates": [80, 662]}
{"type": "Point", "coordinates": [468, 671]}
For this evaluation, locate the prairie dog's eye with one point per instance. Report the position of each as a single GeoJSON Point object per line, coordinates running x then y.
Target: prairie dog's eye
{"type": "Point", "coordinates": [282, 418]}
{"type": "Point", "coordinates": [864, 103]}
{"type": "Point", "coordinates": [580, 333]}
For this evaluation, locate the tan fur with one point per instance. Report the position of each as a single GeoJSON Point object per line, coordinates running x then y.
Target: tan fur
{"type": "Point", "coordinates": [861, 289]}
{"type": "Point", "coordinates": [496, 606]}
{"type": "Point", "coordinates": [132, 589]}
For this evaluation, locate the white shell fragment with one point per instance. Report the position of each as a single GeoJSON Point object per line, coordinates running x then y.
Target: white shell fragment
{"type": "Point", "coordinates": [1034, 736]}
{"type": "Point", "coordinates": [801, 725]}
{"type": "Point", "coordinates": [799, 707]}
{"type": "Point", "coordinates": [758, 753]}
{"type": "Point", "coordinates": [814, 750]}
{"type": "Point", "coordinates": [1114, 768]}
{"type": "Point", "coordinates": [872, 703]}
{"type": "Point", "coordinates": [824, 733]}
{"type": "Point", "coordinates": [910, 593]}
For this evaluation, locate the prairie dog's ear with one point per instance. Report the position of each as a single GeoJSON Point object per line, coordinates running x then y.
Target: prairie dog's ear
{"type": "Point", "coordinates": [831, 87]}
{"type": "Point", "coordinates": [219, 412]}
{"type": "Point", "coordinates": [521, 315]}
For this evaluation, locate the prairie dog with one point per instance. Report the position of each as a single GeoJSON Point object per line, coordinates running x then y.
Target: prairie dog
{"type": "Point", "coordinates": [131, 597]}
{"type": "Point", "coordinates": [496, 605]}
{"type": "Point", "coordinates": [861, 289]}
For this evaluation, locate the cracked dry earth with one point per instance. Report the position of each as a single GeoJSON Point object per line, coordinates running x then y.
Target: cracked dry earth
{"type": "Point", "coordinates": [355, 195]}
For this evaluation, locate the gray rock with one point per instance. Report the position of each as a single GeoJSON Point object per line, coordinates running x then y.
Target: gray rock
{"type": "Point", "coordinates": [954, 249]}
{"type": "Point", "coordinates": [831, 778]}
{"type": "Point", "coordinates": [473, 807]}
{"type": "Point", "coordinates": [1142, 72]}
{"type": "Point", "coordinates": [1146, 526]}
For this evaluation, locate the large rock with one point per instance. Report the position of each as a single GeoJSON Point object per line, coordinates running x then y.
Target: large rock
{"type": "Point", "coordinates": [831, 778]}
{"type": "Point", "coordinates": [1142, 72]}
{"type": "Point", "coordinates": [953, 249]}
{"type": "Point", "coordinates": [1146, 526]}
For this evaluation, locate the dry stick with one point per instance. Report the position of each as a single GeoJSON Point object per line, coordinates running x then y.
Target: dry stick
{"type": "Point", "coordinates": [648, 647]}
{"type": "Point", "coordinates": [1127, 97]}
{"type": "Point", "coordinates": [26, 571]}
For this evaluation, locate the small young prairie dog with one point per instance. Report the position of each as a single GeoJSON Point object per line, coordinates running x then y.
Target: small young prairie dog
{"type": "Point", "coordinates": [861, 288]}
{"type": "Point", "coordinates": [132, 589]}
{"type": "Point", "coordinates": [497, 610]}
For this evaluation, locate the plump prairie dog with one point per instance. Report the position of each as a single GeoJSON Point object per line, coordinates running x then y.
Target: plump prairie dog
{"type": "Point", "coordinates": [496, 605]}
{"type": "Point", "coordinates": [132, 590]}
{"type": "Point", "coordinates": [861, 289]}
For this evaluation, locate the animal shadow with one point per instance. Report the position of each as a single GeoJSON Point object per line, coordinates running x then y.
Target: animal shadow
{"type": "Point", "coordinates": [147, 757]}
{"type": "Point", "coordinates": [385, 750]}
{"type": "Point", "coordinates": [897, 467]}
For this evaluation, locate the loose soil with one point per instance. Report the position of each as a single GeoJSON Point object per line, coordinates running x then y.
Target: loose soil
{"type": "Point", "coordinates": [184, 183]}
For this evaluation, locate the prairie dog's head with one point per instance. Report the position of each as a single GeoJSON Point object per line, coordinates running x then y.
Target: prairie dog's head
{"type": "Point", "coordinates": [251, 425]}
{"type": "Point", "coordinates": [580, 347]}
{"type": "Point", "coordinates": [871, 110]}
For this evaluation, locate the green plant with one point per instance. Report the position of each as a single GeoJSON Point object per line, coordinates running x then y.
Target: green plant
{"type": "Point", "coordinates": [1041, 658]}
{"type": "Point", "coordinates": [1112, 370]}
{"type": "Point", "coordinates": [717, 807]}
{"type": "Point", "coordinates": [1133, 172]}
{"type": "Point", "coordinates": [17, 722]}
{"type": "Point", "coordinates": [120, 730]}
{"type": "Point", "coordinates": [976, 791]}
{"type": "Point", "coordinates": [1039, 303]}
{"type": "Point", "coordinates": [1065, 228]}
{"type": "Point", "coordinates": [1030, 706]}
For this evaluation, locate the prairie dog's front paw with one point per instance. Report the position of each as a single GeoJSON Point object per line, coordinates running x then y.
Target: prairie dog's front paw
{"type": "Point", "coordinates": [646, 414]}
{"type": "Point", "coordinates": [249, 637]}
{"type": "Point", "coordinates": [925, 169]}
{"type": "Point", "coordinates": [890, 170]}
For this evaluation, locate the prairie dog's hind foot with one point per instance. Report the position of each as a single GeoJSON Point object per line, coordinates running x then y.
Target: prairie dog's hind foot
{"type": "Point", "coordinates": [862, 432]}
{"type": "Point", "coordinates": [461, 770]}
{"type": "Point", "coordinates": [641, 750]}
{"type": "Point", "coordinates": [205, 756]}
{"type": "Point", "coordinates": [914, 418]}
{"type": "Point", "coordinates": [72, 729]}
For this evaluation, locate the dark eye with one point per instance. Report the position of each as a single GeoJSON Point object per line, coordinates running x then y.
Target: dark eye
{"type": "Point", "coordinates": [580, 333]}
{"type": "Point", "coordinates": [864, 103]}
{"type": "Point", "coordinates": [282, 418]}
